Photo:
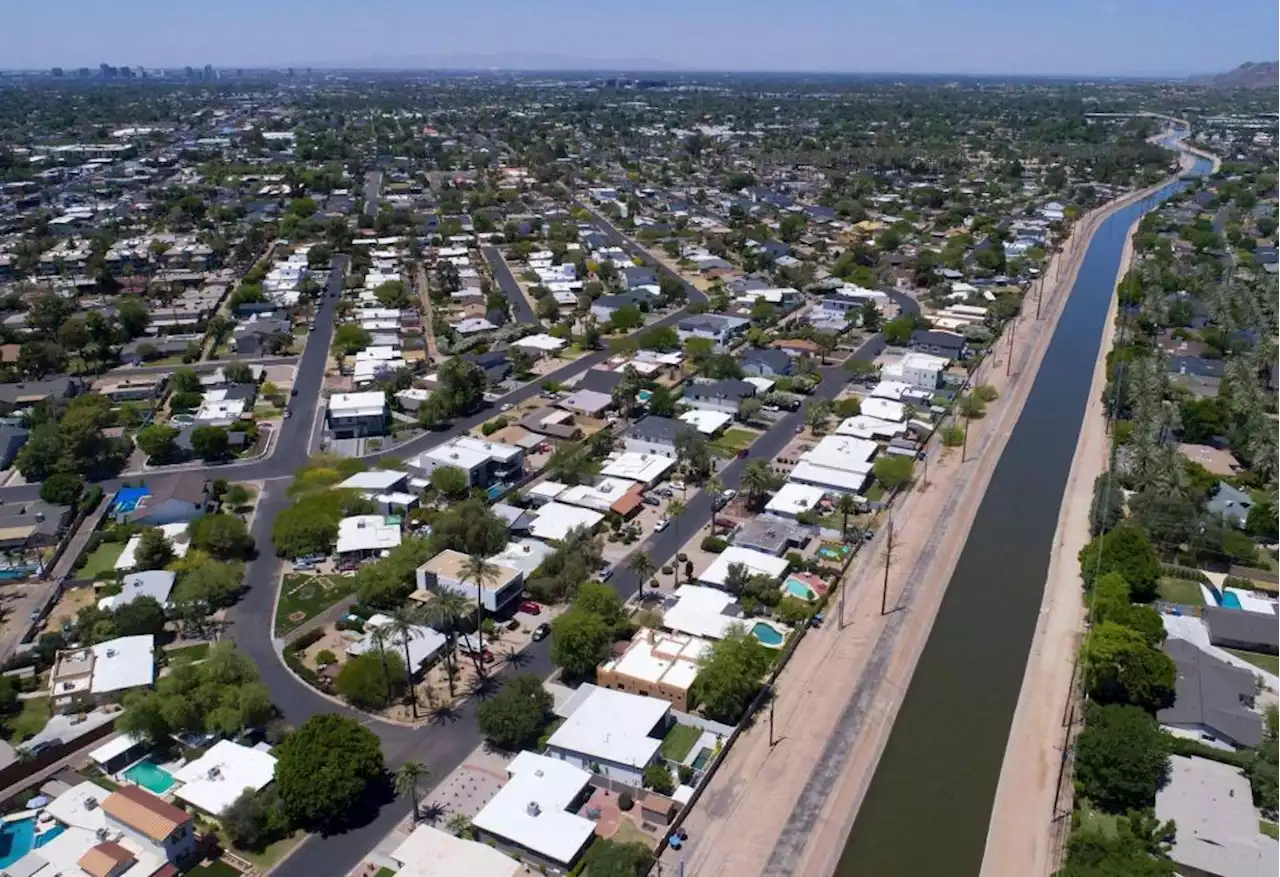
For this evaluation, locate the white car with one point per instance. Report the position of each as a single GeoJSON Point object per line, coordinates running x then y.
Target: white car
{"type": "Point", "coordinates": [661, 525]}
{"type": "Point", "coordinates": [507, 406]}
{"type": "Point", "coordinates": [677, 485]}
{"type": "Point", "coordinates": [729, 494]}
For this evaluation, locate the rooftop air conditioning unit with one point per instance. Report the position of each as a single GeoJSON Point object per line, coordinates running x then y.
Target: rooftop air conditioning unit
{"type": "Point", "coordinates": [533, 809]}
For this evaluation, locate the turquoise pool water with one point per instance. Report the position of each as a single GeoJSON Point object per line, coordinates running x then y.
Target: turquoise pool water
{"type": "Point", "coordinates": [833, 551]}
{"type": "Point", "coordinates": [1230, 600]}
{"type": "Point", "coordinates": [19, 838]}
{"type": "Point", "coordinates": [797, 588]}
{"type": "Point", "coordinates": [150, 776]}
{"type": "Point", "coordinates": [703, 759]}
{"type": "Point", "coordinates": [644, 395]}
{"type": "Point", "coordinates": [767, 634]}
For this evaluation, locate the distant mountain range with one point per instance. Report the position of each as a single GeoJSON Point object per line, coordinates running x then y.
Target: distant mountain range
{"type": "Point", "coordinates": [1251, 74]}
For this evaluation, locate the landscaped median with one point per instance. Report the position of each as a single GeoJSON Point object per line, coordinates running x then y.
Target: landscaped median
{"type": "Point", "coordinates": [303, 596]}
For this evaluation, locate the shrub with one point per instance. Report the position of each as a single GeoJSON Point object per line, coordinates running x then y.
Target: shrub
{"type": "Point", "coordinates": [986, 392]}
{"type": "Point", "coordinates": [952, 436]}
{"type": "Point", "coordinates": [714, 544]}
{"type": "Point", "coordinates": [625, 802]}
{"type": "Point", "coordinates": [325, 657]}
{"type": "Point", "coordinates": [305, 641]}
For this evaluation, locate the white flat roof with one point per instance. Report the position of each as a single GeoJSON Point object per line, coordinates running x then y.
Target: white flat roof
{"type": "Point", "coordinates": [214, 780]}
{"type": "Point", "coordinates": [756, 562]}
{"type": "Point", "coordinates": [659, 656]}
{"type": "Point", "coordinates": [153, 583]}
{"type": "Point", "coordinates": [541, 341]}
{"type": "Point", "coordinates": [366, 533]}
{"type": "Point", "coordinates": [430, 852]}
{"type": "Point", "coordinates": [600, 496]}
{"type": "Point", "coordinates": [1217, 824]}
{"type": "Point", "coordinates": [825, 476]}
{"type": "Point", "coordinates": [889, 390]}
{"type": "Point", "coordinates": [424, 642]}
{"type": "Point", "coordinates": [924, 361]}
{"type": "Point", "coordinates": [357, 404]}
{"type": "Point", "coordinates": [842, 452]}
{"type": "Point", "coordinates": [452, 455]}
{"type": "Point", "coordinates": [531, 809]}
{"type": "Point", "coordinates": [644, 468]}
{"type": "Point", "coordinates": [706, 422]}
{"type": "Point", "coordinates": [761, 384]}
{"type": "Point", "coordinates": [795, 498]}
{"type": "Point", "coordinates": [117, 745]}
{"type": "Point", "coordinates": [124, 662]}
{"type": "Point", "coordinates": [380, 480]}
{"type": "Point", "coordinates": [866, 427]}
{"type": "Point", "coordinates": [495, 450]}
{"type": "Point", "coordinates": [614, 726]}
{"type": "Point", "coordinates": [555, 520]}
{"type": "Point", "coordinates": [178, 538]}
{"type": "Point", "coordinates": [884, 409]}
{"type": "Point", "coordinates": [547, 489]}
{"type": "Point", "coordinates": [701, 612]}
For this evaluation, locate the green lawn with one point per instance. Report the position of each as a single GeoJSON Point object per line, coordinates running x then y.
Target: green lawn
{"type": "Point", "coordinates": [304, 597]}
{"type": "Point", "coordinates": [102, 562]}
{"type": "Point", "coordinates": [268, 858]}
{"type": "Point", "coordinates": [1270, 829]}
{"type": "Point", "coordinates": [1270, 663]}
{"type": "Point", "coordinates": [187, 654]}
{"type": "Point", "coordinates": [678, 742]}
{"type": "Point", "coordinates": [1180, 591]}
{"type": "Point", "coordinates": [385, 872]}
{"type": "Point", "coordinates": [29, 721]}
{"type": "Point", "coordinates": [732, 441]}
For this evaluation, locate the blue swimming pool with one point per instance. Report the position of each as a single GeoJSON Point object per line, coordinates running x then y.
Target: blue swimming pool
{"type": "Point", "coordinates": [767, 634]}
{"type": "Point", "coordinates": [797, 588]}
{"type": "Point", "coordinates": [150, 776]}
{"type": "Point", "coordinates": [127, 499]}
{"type": "Point", "coordinates": [18, 838]}
{"type": "Point", "coordinates": [1230, 600]}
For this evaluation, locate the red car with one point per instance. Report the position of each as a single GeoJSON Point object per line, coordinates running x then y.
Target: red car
{"type": "Point", "coordinates": [530, 607]}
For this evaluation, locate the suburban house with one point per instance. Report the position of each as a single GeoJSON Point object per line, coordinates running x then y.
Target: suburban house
{"type": "Point", "coordinates": [12, 438]}
{"type": "Point", "coordinates": [604, 306]}
{"type": "Point", "coordinates": [551, 422]}
{"type": "Point", "coordinates": [1230, 505]}
{"type": "Point", "coordinates": [356, 415]}
{"type": "Point", "coordinates": [715, 327]}
{"type": "Point", "coordinates": [431, 852]}
{"type": "Point", "coordinates": [483, 462]}
{"type": "Point", "coordinates": [1236, 629]}
{"type": "Point", "coordinates": [153, 583]}
{"type": "Point", "coordinates": [28, 393]}
{"type": "Point", "coordinates": [610, 733]}
{"type": "Point", "coordinates": [212, 782]}
{"type": "Point", "coordinates": [95, 674]}
{"type": "Point", "coordinates": [654, 435]}
{"type": "Point", "coordinates": [949, 345]}
{"type": "Point", "coordinates": [252, 336]}
{"type": "Point", "coordinates": [362, 536]}
{"type": "Point", "coordinates": [637, 275]}
{"type": "Point", "coordinates": [1213, 699]}
{"type": "Point", "coordinates": [656, 664]}
{"type": "Point", "coordinates": [725, 396]}
{"type": "Point", "coordinates": [447, 570]}
{"type": "Point", "coordinates": [495, 364]}
{"type": "Point", "coordinates": [766, 362]}
{"type": "Point", "coordinates": [128, 831]}
{"type": "Point", "coordinates": [588, 403]}
{"type": "Point", "coordinates": [1212, 805]}
{"type": "Point", "coordinates": [31, 524]}
{"type": "Point", "coordinates": [425, 644]}
{"type": "Point", "coordinates": [176, 500]}
{"type": "Point", "coordinates": [920, 370]}
{"type": "Point", "coordinates": [1202, 377]}
{"type": "Point", "coordinates": [534, 815]}
{"type": "Point", "coordinates": [772, 535]}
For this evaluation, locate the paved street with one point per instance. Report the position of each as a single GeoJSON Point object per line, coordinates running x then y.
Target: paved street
{"type": "Point", "coordinates": [521, 312]}
{"type": "Point", "coordinates": [372, 192]}
{"type": "Point", "coordinates": [442, 746]}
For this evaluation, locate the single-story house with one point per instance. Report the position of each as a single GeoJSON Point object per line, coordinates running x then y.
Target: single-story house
{"type": "Point", "coordinates": [610, 733]}
{"type": "Point", "coordinates": [1212, 698]}
{"type": "Point", "coordinates": [1237, 629]}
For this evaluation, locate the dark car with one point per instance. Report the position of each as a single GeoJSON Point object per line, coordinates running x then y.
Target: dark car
{"type": "Point", "coordinates": [293, 392]}
{"type": "Point", "coordinates": [541, 632]}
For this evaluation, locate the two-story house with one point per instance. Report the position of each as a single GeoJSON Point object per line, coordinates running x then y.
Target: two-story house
{"type": "Point", "coordinates": [715, 327]}
{"type": "Point", "coordinates": [724, 396]}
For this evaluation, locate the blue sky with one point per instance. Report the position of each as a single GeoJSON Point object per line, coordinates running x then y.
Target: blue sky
{"type": "Point", "coordinates": [1087, 37]}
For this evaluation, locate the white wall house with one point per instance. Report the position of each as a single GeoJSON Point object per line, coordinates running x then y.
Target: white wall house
{"type": "Point", "coordinates": [611, 733]}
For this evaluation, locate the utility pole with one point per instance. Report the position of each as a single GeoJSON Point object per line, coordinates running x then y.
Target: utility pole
{"type": "Point", "coordinates": [964, 447]}
{"type": "Point", "coordinates": [1039, 297]}
{"type": "Point", "coordinates": [1008, 365]}
{"type": "Point", "coordinates": [888, 558]}
{"type": "Point", "coordinates": [772, 741]}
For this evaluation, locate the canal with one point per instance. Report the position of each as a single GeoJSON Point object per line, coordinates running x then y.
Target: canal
{"type": "Point", "coordinates": [929, 804]}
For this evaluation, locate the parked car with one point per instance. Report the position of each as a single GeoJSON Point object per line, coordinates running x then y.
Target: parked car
{"type": "Point", "coordinates": [729, 494]}
{"type": "Point", "coordinates": [661, 525]}
{"type": "Point", "coordinates": [541, 632]}
{"type": "Point", "coordinates": [606, 574]}
{"type": "Point", "coordinates": [530, 607]}
{"type": "Point", "coordinates": [677, 485]}
{"type": "Point", "coordinates": [288, 412]}
{"type": "Point", "coordinates": [293, 392]}
{"type": "Point", "coordinates": [651, 500]}
{"type": "Point", "coordinates": [719, 502]}
{"type": "Point", "coordinates": [507, 406]}
{"type": "Point", "coordinates": [665, 493]}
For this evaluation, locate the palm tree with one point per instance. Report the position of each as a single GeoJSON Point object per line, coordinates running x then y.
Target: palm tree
{"type": "Point", "coordinates": [846, 505]}
{"type": "Point", "coordinates": [458, 824]}
{"type": "Point", "coordinates": [443, 613]}
{"type": "Point", "coordinates": [714, 486]}
{"type": "Point", "coordinates": [815, 416]}
{"type": "Point", "coordinates": [478, 569]}
{"type": "Point", "coordinates": [674, 509]}
{"type": "Point", "coordinates": [404, 626]}
{"type": "Point", "coordinates": [642, 565]}
{"type": "Point", "coordinates": [757, 480]}
{"type": "Point", "coordinates": [380, 636]}
{"type": "Point", "coordinates": [408, 778]}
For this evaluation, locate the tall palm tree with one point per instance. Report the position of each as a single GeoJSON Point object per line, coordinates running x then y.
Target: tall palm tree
{"type": "Point", "coordinates": [846, 505]}
{"type": "Point", "coordinates": [757, 480]}
{"type": "Point", "coordinates": [479, 570]}
{"type": "Point", "coordinates": [642, 565]}
{"type": "Point", "coordinates": [381, 636]}
{"type": "Point", "coordinates": [444, 613]}
{"type": "Point", "coordinates": [714, 486]}
{"type": "Point", "coordinates": [404, 626]}
{"type": "Point", "coordinates": [674, 509]}
{"type": "Point", "coordinates": [408, 778]}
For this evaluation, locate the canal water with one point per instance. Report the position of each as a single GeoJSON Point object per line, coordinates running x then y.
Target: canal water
{"type": "Point", "coordinates": [927, 810]}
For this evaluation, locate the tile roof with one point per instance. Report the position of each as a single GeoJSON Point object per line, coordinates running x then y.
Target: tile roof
{"type": "Point", "coordinates": [144, 812]}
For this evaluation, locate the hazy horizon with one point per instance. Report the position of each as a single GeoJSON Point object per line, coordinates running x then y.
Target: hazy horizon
{"type": "Point", "coordinates": [1095, 38]}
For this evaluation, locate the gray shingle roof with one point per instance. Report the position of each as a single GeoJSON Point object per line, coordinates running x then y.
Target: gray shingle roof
{"type": "Point", "coordinates": [1213, 694]}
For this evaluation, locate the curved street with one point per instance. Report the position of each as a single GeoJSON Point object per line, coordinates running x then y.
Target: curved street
{"type": "Point", "coordinates": [440, 746]}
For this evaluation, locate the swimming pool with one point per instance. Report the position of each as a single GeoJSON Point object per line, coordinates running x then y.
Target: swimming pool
{"type": "Point", "coordinates": [127, 499]}
{"type": "Point", "coordinates": [17, 838]}
{"type": "Point", "coordinates": [1230, 601]}
{"type": "Point", "coordinates": [768, 634]}
{"type": "Point", "coordinates": [150, 776]}
{"type": "Point", "coordinates": [797, 588]}
{"type": "Point", "coordinates": [833, 551]}
{"type": "Point", "coordinates": [703, 759]}
{"type": "Point", "coordinates": [644, 396]}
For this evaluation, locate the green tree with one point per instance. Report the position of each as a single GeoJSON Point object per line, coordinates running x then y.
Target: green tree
{"type": "Point", "coordinates": [1126, 550]}
{"type": "Point", "coordinates": [255, 819]}
{"type": "Point", "coordinates": [893, 470]}
{"type": "Point", "coordinates": [658, 777]}
{"type": "Point", "coordinates": [758, 480]}
{"type": "Point", "coordinates": [154, 550]}
{"type": "Point", "coordinates": [580, 640]}
{"type": "Point", "coordinates": [1121, 667]}
{"type": "Point", "coordinates": [609, 858]}
{"type": "Point", "coordinates": [184, 380]}
{"type": "Point", "coordinates": [730, 675]}
{"type": "Point", "coordinates": [40, 457]}
{"type": "Point", "coordinates": [140, 616]}
{"type": "Point", "coordinates": [626, 318]}
{"type": "Point", "coordinates": [225, 537]}
{"type": "Point", "coordinates": [208, 585]}
{"type": "Point", "coordinates": [371, 681]}
{"type": "Point", "coordinates": [409, 780]}
{"type": "Point", "coordinates": [1122, 758]}
{"type": "Point", "coordinates": [514, 717]}
{"type": "Point", "coordinates": [450, 481]}
{"type": "Point", "coordinates": [392, 294]}
{"type": "Point", "coordinates": [132, 317]}
{"type": "Point", "coordinates": [158, 442]}
{"type": "Point", "coordinates": [325, 770]}
{"type": "Point", "coordinates": [898, 330]}
{"type": "Point", "coordinates": [350, 338]}
{"type": "Point", "coordinates": [62, 488]}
